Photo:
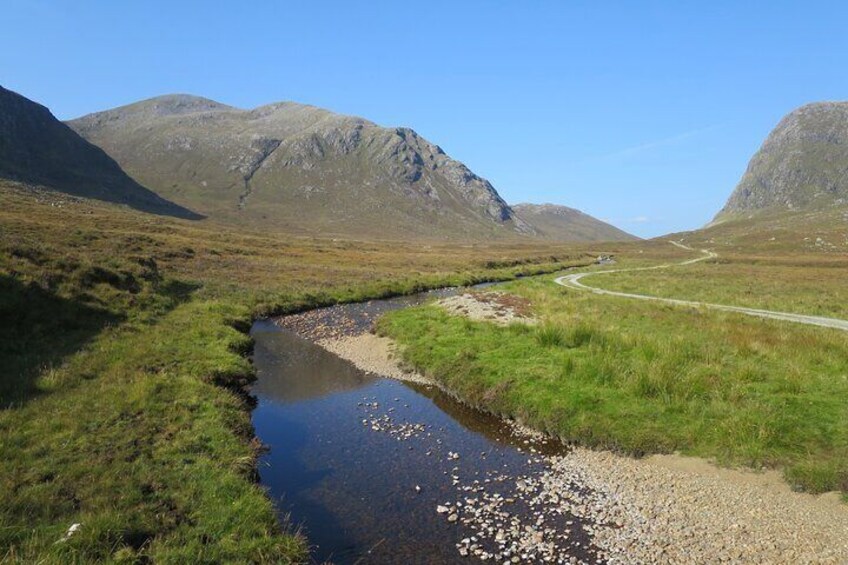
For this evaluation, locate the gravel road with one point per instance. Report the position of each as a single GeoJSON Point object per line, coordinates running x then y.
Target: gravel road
{"type": "Point", "coordinates": [574, 281]}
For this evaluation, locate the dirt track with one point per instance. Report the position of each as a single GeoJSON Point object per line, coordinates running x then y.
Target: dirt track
{"type": "Point", "coordinates": [574, 281]}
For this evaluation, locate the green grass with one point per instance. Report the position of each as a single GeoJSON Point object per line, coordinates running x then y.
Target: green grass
{"type": "Point", "coordinates": [134, 439]}
{"type": "Point", "coordinates": [123, 343]}
{"type": "Point", "coordinates": [645, 378]}
{"type": "Point", "coordinates": [803, 285]}
{"type": "Point", "coordinates": [123, 352]}
{"type": "Point", "coordinates": [790, 262]}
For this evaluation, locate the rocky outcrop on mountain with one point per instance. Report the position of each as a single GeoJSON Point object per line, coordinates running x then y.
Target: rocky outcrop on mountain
{"type": "Point", "coordinates": [802, 164]}
{"type": "Point", "coordinates": [293, 167]}
{"type": "Point", "coordinates": [38, 149]}
{"type": "Point", "coordinates": [562, 223]}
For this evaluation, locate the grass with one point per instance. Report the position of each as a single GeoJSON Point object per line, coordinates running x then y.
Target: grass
{"type": "Point", "coordinates": [123, 343]}
{"type": "Point", "coordinates": [134, 439]}
{"type": "Point", "coordinates": [645, 378]}
{"type": "Point", "coordinates": [804, 287]}
{"type": "Point", "coordinates": [789, 262]}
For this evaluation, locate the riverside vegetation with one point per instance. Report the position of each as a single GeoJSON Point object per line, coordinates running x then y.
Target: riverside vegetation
{"type": "Point", "coordinates": [641, 377]}
{"type": "Point", "coordinates": [124, 352]}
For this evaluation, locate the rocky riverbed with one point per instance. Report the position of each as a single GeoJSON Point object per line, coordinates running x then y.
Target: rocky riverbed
{"type": "Point", "coordinates": [581, 506]}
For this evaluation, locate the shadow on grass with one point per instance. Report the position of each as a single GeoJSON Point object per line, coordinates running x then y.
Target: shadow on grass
{"type": "Point", "coordinates": [37, 330]}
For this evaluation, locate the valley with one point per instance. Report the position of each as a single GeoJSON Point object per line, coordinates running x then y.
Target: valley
{"type": "Point", "coordinates": [130, 331]}
{"type": "Point", "coordinates": [588, 505]}
{"type": "Point", "coordinates": [288, 335]}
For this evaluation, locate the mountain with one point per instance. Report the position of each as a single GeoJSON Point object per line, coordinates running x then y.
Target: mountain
{"type": "Point", "coordinates": [803, 164]}
{"type": "Point", "coordinates": [38, 149]}
{"type": "Point", "coordinates": [293, 167]}
{"type": "Point", "coordinates": [562, 223]}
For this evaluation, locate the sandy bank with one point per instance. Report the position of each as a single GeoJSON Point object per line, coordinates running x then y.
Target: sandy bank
{"type": "Point", "coordinates": [685, 510]}
{"type": "Point", "coordinates": [495, 307]}
{"type": "Point", "coordinates": [373, 354]}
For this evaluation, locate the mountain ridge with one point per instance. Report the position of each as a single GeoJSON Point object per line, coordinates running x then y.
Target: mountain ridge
{"type": "Point", "coordinates": [301, 168]}
{"type": "Point", "coordinates": [554, 221]}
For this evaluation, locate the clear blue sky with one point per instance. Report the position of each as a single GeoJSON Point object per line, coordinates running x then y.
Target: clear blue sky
{"type": "Point", "coordinates": [641, 113]}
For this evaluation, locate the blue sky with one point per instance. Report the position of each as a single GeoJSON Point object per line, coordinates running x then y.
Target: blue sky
{"type": "Point", "coordinates": [641, 113]}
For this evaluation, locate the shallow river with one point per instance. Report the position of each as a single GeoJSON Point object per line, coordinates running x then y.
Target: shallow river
{"type": "Point", "coordinates": [361, 463]}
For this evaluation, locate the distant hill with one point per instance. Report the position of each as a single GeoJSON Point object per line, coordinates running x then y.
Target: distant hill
{"type": "Point", "coordinates": [292, 167]}
{"type": "Point", "coordinates": [803, 164]}
{"type": "Point", "coordinates": [562, 223]}
{"type": "Point", "coordinates": [38, 149]}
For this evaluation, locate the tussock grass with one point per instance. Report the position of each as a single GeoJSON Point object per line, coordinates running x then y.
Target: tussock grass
{"type": "Point", "coordinates": [645, 378]}
{"type": "Point", "coordinates": [550, 336]}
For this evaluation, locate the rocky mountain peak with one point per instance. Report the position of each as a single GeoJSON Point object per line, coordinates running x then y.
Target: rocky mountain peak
{"type": "Point", "coordinates": [802, 163]}
{"type": "Point", "coordinates": [295, 167]}
{"type": "Point", "coordinates": [297, 158]}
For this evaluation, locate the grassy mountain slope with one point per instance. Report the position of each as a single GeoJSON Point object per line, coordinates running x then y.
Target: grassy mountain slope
{"type": "Point", "coordinates": [803, 163]}
{"type": "Point", "coordinates": [37, 148]}
{"type": "Point", "coordinates": [296, 168]}
{"type": "Point", "coordinates": [562, 223]}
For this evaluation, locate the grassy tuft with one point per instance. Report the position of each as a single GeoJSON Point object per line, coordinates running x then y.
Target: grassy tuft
{"type": "Point", "coordinates": [550, 336]}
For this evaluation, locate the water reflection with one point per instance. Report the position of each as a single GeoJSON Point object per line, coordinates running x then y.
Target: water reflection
{"type": "Point", "coordinates": [353, 487]}
{"type": "Point", "coordinates": [292, 369]}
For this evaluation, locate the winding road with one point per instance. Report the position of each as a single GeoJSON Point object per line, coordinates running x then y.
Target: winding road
{"type": "Point", "coordinates": [574, 281]}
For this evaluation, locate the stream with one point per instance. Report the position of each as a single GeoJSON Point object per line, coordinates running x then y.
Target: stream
{"type": "Point", "coordinates": [375, 470]}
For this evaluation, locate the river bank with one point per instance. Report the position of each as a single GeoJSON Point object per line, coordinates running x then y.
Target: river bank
{"type": "Point", "coordinates": [665, 508]}
{"type": "Point", "coordinates": [125, 349]}
{"type": "Point", "coordinates": [378, 470]}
